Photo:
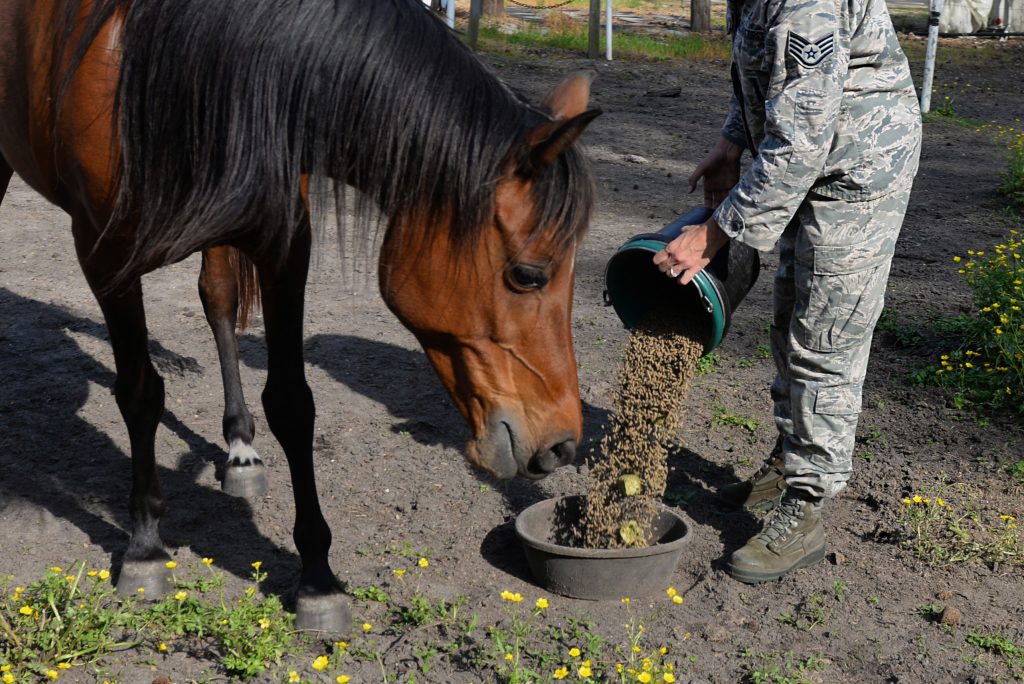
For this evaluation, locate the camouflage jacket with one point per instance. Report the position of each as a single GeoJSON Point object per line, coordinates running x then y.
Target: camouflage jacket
{"type": "Point", "coordinates": [824, 99]}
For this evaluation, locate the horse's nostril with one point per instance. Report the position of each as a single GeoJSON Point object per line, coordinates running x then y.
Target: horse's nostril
{"type": "Point", "coordinates": [565, 452]}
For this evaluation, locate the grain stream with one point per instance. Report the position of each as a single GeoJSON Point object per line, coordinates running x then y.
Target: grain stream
{"type": "Point", "coordinates": [631, 471]}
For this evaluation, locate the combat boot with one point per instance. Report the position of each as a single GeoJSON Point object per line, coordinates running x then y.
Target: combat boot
{"type": "Point", "coordinates": [762, 491]}
{"type": "Point", "coordinates": [792, 538]}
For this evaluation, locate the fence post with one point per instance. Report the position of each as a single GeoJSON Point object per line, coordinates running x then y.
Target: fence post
{"type": "Point", "coordinates": [475, 7]}
{"type": "Point", "coordinates": [594, 39]}
{"type": "Point", "coordinates": [929, 55]}
{"type": "Point", "coordinates": [700, 16]}
{"type": "Point", "coordinates": [450, 7]}
{"type": "Point", "coordinates": [608, 30]}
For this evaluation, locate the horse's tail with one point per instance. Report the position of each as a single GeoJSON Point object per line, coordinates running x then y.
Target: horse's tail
{"type": "Point", "coordinates": [248, 284]}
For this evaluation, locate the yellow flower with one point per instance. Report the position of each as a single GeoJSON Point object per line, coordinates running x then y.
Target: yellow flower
{"type": "Point", "coordinates": [263, 622]}
{"type": "Point", "coordinates": [423, 563]}
{"type": "Point", "coordinates": [671, 591]}
{"type": "Point", "coordinates": [561, 673]}
{"type": "Point", "coordinates": [907, 502]}
{"type": "Point", "coordinates": [399, 573]}
{"type": "Point", "coordinates": [677, 599]}
{"type": "Point", "coordinates": [104, 574]}
{"type": "Point", "coordinates": [668, 677]}
{"type": "Point", "coordinates": [516, 598]}
{"type": "Point", "coordinates": [644, 677]}
{"type": "Point", "coordinates": [57, 569]}
{"type": "Point", "coordinates": [25, 610]}
{"type": "Point", "coordinates": [636, 649]}
{"type": "Point", "coordinates": [367, 626]}
{"type": "Point", "coordinates": [618, 667]}
{"type": "Point", "coordinates": [52, 674]}
{"type": "Point", "coordinates": [625, 600]}
{"type": "Point", "coordinates": [171, 565]}
{"type": "Point", "coordinates": [574, 652]}
{"type": "Point", "coordinates": [141, 590]}
{"type": "Point", "coordinates": [91, 573]}
{"type": "Point", "coordinates": [207, 562]}
{"type": "Point", "coordinates": [940, 502]}
{"type": "Point", "coordinates": [342, 645]}
{"type": "Point", "coordinates": [5, 668]}
{"type": "Point", "coordinates": [584, 671]}
{"type": "Point", "coordinates": [918, 499]}
{"type": "Point", "coordinates": [343, 679]}
{"type": "Point", "coordinates": [509, 657]}
{"type": "Point", "coordinates": [663, 650]}
{"type": "Point", "coordinates": [181, 595]}
{"type": "Point", "coordinates": [64, 666]}
{"type": "Point", "coordinates": [541, 603]}
{"type": "Point", "coordinates": [293, 676]}
{"type": "Point", "coordinates": [17, 592]}
{"type": "Point", "coordinates": [256, 565]}
{"type": "Point", "coordinates": [162, 647]}
{"type": "Point", "coordinates": [506, 595]}
{"type": "Point", "coordinates": [956, 259]}
{"type": "Point", "coordinates": [1007, 518]}
{"type": "Point", "coordinates": [8, 678]}
{"type": "Point", "coordinates": [320, 663]}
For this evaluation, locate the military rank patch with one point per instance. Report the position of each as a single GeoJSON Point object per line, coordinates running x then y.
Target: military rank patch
{"type": "Point", "coordinates": [810, 53]}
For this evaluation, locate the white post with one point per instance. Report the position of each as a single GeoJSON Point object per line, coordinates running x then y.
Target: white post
{"type": "Point", "coordinates": [608, 30]}
{"type": "Point", "coordinates": [929, 55]}
{"type": "Point", "coordinates": [450, 5]}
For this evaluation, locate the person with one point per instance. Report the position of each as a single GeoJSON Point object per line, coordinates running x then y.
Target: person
{"type": "Point", "coordinates": [824, 102]}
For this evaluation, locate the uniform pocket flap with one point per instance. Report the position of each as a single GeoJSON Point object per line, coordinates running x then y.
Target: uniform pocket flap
{"type": "Point", "coordinates": [845, 259]}
{"type": "Point", "coordinates": [840, 400]}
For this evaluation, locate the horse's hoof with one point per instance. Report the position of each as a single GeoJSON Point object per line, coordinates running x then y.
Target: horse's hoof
{"type": "Point", "coordinates": [326, 613]}
{"type": "Point", "coordinates": [245, 481]}
{"type": "Point", "coordinates": [150, 579]}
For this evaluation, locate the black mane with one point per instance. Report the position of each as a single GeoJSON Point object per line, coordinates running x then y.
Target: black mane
{"type": "Point", "coordinates": [223, 104]}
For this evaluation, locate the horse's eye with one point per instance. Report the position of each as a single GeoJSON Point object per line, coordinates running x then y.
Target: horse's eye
{"type": "Point", "coordinates": [523, 278]}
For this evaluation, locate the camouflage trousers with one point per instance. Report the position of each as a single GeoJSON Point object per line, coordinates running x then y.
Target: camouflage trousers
{"type": "Point", "coordinates": [829, 292]}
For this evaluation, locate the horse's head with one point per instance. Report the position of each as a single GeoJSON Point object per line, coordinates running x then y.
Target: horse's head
{"type": "Point", "coordinates": [495, 315]}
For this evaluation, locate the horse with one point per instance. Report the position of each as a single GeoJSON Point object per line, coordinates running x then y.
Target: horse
{"type": "Point", "coordinates": [166, 128]}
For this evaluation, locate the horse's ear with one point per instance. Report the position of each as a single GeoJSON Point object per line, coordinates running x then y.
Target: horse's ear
{"type": "Point", "coordinates": [569, 98]}
{"type": "Point", "coordinates": [550, 139]}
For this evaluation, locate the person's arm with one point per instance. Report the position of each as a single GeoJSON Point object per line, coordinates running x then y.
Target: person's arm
{"type": "Point", "coordinates": [735, 129]}
{"type": "Point", "coordinates": [811, 58]}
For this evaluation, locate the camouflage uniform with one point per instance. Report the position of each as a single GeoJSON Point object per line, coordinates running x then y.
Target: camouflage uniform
{"type": "Point", "coordinates": [823, 97]}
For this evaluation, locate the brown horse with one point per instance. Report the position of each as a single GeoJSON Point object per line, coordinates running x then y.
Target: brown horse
{"type": "Point", "coordinates": [164, 128]}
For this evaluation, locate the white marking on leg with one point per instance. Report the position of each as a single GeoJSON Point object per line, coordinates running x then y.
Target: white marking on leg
{"type": "Point", "coordinates": [242, 454]}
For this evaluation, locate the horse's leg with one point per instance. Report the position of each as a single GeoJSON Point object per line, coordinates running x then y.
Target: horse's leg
{"type": "Point", "coordinates": [244, 474]}
{"type": "Point", "coordinates": [5, 177]}
{"type": "Point", "coordinates": [288, 404]}
{"type": "Point", "coordinates": [139, 392]}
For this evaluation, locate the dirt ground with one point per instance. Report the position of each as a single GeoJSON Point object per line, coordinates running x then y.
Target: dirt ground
{"type": "Point", "coordinates": [388, 441]}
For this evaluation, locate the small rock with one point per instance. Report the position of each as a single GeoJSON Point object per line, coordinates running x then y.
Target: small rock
{"type": "Point", "coordinates": [637, 159]}
{"type": "Point", "coordinates": [838, 558]}
{"type": "Point", "coordinates": [950, 616]}
{"type": "Point", "coordinates": [162, 679]}
{"type": "Point", "coordinates": [944, 595]}
{"type": "Point", "coordinates": [717, 634]}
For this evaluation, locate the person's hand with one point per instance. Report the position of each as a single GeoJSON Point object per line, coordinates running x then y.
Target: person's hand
{"type": "Point", "coordinates": [720, 171]}
{"type": "Point", "coordinates": [691, 251]}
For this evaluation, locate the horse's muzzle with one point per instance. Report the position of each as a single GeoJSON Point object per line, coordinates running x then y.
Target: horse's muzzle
{"type": "Point", "coordinates": [544, 462]}
{"type": "Point", "coordinates": [502, 450]}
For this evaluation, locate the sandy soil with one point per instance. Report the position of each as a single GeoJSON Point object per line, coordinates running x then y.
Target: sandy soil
{"type": "Point", "coordinates": [388, 439]}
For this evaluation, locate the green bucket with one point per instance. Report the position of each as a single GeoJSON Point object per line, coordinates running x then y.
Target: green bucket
{"type": "Point", "coordinates": [634, 286]}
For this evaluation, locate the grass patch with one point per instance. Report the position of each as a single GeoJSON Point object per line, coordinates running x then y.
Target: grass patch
{"type": "Point", "coordinates": [781, 667]}
{"type": "Point", "coordinates": [630, 46]}
{"type": "Point", "coordinates": [949, 525]}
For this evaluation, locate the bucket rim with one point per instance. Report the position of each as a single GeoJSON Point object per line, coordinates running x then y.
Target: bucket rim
{"type": "Point", "coordinates": [705, 283]}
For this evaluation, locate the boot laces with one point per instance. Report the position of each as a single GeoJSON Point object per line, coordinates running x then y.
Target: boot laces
{"type": "Point", "coordinates": [785, 517]}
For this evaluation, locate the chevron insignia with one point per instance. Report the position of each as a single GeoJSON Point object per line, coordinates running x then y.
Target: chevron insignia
{"type": "Point", "coordinates": [810, 53]}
